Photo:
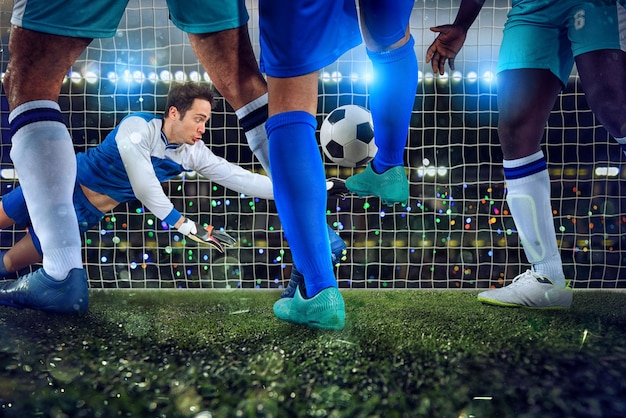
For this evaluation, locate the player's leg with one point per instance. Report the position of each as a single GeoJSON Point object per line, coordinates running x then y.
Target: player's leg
{"type": "Point", "coordinates": [297, 167]}
{"type": "Point", "coordinates": [525, 98]}
{"type": "Point", "coordinates": [21, 255]}
{"type": "Point", "coordinates": [601, 62]}
{"type": "Point", "coordinates": [300, 196]}
{"type": "Point", "coordinates": [218, 34]}
{"type": "Point", "coordinates": [42, 150]}
{"type": "Point", "coordinates": [390, 47]}
{"type": "Point", "coordinates": [228, 58]}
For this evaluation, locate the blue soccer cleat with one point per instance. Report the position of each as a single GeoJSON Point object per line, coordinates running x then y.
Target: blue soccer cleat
{"type": "Point", "coordinates": [39, 291]}
{"type": "Point", "coordinates": [326, 310]}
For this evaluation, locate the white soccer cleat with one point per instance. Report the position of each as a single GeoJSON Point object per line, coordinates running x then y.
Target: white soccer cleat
{"type": "Point", "coordinates": [530, 290]}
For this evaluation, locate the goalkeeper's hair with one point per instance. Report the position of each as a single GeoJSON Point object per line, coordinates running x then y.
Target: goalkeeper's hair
{"type": "Point", "coordinates": [181, 96]}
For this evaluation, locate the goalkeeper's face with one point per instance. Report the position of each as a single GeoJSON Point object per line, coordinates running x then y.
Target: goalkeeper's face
{"type": "Point", "coordinates": [189, 127]}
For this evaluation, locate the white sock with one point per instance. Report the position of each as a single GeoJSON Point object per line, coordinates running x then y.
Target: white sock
{"type": "Point", "coordinates": [528, 197]}
{"type": "Point", "coordinates": [45, 162]}
{"type": "Point", "coordinates": [252, 118]}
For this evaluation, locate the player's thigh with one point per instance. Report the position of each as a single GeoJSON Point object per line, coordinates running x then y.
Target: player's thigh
{"type": "Point", "coordinates": [5, 221]}
{"type": "Point", "coordinates": [37, 65]}
{"type": "Point", "coordinates": [207, 16]}
{"type": "Point", "coordinates": [384, 23]}
{"type": "Point", "coordinates": [302, 36]}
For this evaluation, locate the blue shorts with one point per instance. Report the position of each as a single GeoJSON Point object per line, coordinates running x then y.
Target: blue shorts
{"type": "Point", "coordinates": [100, 19]}
{"type": "Point", "coordinates": [14, 206]}
{"type": "Point", "coordinates": [548, 34]}
{"type": "Point", "coordinates": [302, 36]}
{"type": "Point", "coordinates": [299, 37]}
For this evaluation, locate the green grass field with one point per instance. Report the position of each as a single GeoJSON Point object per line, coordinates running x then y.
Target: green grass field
{"type": "Point", "coordinates": [186, 353]}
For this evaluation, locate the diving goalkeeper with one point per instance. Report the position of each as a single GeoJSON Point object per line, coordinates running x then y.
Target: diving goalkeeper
{"type": "Point", "coordinates": [144, 150]}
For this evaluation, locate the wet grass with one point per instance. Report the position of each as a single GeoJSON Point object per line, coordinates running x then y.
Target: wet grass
{"type": "Point", "coordinates": [420, 353]}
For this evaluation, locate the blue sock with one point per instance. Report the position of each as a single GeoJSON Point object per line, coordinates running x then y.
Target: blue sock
{"type": "Point", "coordinates": [392, 94]}
{"type": "Point", "coordinates": [300, 195]}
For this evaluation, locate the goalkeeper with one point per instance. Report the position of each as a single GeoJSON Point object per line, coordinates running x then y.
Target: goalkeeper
{"type": "Point", "coordinates": [141, 152]}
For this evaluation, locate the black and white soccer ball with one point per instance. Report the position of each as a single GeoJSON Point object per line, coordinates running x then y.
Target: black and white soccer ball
{"type": "Point", "coordinates": [347, 136]}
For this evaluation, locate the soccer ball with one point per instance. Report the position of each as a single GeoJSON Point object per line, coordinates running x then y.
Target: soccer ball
{"type": "Point", "coordinates": [347, 136]}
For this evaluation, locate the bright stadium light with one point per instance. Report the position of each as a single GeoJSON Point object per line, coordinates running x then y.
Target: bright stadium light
{"type": "Point", "coordinates": [206, 77]}
{"type": "Point", "coordinates": [336, 76]}
{"type": "Point", "coordinates": [607, 171]}
{"type": "Point", "coordinates": [91, 77]}
{"type": "Point", "coordinates": [195, 76]}
{"type": "Point", "coordinates": [153, 77]}
{"type": "Point", "coordinates": [420, 76]}
{"type": "Point", "coordinates": [139, 76]}
{"type": "Point", "coordinates": [180, 76]}
{"type": "Point", "coordinates": [127, 76]}
{"type": "Point", "coordinates": [457, 76]}
{"type": "Point", "coordinates": [443, 78]}
{"type": "Point", "coordinates": [354, 77]}
{"type": "Point", "coordinates": [488, 77]}
{"type": "Point", "coordinates": [75, 77]}
{"type": "Point", "coordinates": [429, 77]}
{"type": "Point", "coordinates": [112, 77]}
{"type": "Point", "coordinates": [325, 76]}
{"type": "Point", "coordinates": [472, 76]}
{"type": "Point", "coordinates": [165, 76]}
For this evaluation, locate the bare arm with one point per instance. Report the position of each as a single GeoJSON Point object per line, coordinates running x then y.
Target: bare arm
{"type": "Point", "coordinates": [451, 37]}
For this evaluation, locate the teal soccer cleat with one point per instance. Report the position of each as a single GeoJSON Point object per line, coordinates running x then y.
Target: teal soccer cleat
{"type": "Point", "coordinates": [326, 310]}
{"type": "Point", "coordinates": [391, 187]}
{"type": "Point", "coordinates": [39, 291]}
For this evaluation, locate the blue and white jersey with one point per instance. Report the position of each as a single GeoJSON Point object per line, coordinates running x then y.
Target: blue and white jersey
{"type": "Point", "coordinates": [136, 157]}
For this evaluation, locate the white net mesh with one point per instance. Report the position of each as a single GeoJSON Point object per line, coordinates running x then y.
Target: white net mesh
{"type": "Point", "coordinates": [456, 230]}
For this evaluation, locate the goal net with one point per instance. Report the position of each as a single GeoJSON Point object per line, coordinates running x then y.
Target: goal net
{"type": "Point", "coordinates": [455, 232]}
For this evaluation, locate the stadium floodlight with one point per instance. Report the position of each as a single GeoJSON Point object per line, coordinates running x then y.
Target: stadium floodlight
{"type": "Point", "coordinates": [75, 77]}
{"type": "Point", "coordinates": [457, 76]}
{"type": "Point", "coordinates": [165, 76]}
{"type": "Point", "coordinates": [325, 76]}
{"type": "Point", "coordinates": [180, 76]}
{"type": "Point", "coordinates": [91, 77]}
{"type": "Point", "coordinates": [489, 77]}
{"type": "Point", "coordinates": [194, 76]}
{"type": "Point", "coordinates": [609, 171]}
{"type": "Point", "coordinates": [472, 76]}
{"type": "Point", "coordinates": [336, 76]}
{"type": "Point", "coordinates": [139, 76]}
